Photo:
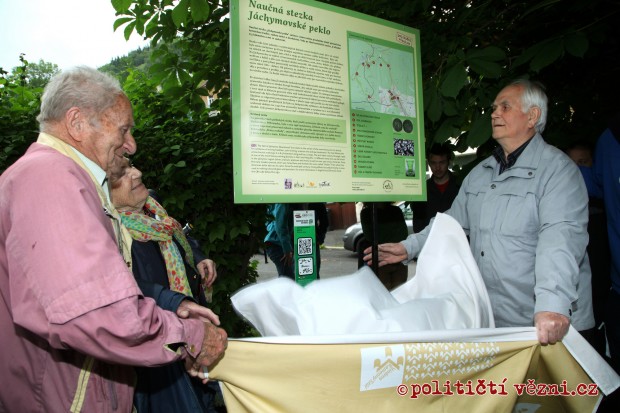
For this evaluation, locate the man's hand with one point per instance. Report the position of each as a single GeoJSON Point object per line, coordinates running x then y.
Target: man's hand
{"type": "Point", "coordinates": [213, 346]}
{"type": "Point", "coordinates": [550, 327]}
{"type": "Point", "coordinates": [189, 309]}
{"type": "Point", "coordinates": [206, 269]}
{"type": "Point", "coordinates": [390, 253]}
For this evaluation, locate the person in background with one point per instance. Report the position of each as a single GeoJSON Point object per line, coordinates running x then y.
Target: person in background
{"type": "Point", "coordinates": [279, 238]}
{"type": "Point", "coordinates": [167, 271]}
{"type": "Point", "coordinates": [391, 228]}
{"type": "Point", "coordinates": [598, 251]}
{"type": "Point", "coordinates": [603, 181]}
{"type": "Point", "coordinates": [580, 153]}
{"type": "Point", "coordinates": [441, 187]}
{"type": "Point", "coordinates": [74, 321]}
{"type": "Point", "coordinates": [525, 209]}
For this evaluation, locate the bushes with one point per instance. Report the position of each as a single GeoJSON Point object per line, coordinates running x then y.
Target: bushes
{"type": "Point", "coordinates": [19, 106]}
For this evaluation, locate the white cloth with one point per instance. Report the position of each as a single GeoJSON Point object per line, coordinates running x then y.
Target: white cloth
{"type": "Point", "coordinates": [446, 293]}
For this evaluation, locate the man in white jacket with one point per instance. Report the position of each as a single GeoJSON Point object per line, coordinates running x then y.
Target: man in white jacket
{"type": "Point", "coordinates": [525, 210]}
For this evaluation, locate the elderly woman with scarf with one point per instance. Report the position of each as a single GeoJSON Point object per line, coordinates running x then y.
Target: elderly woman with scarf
{"type": "Point", "coordinates": [164, 266]}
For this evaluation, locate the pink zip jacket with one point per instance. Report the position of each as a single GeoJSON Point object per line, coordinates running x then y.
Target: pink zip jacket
{"type": "Point", "coordinates": [72, 318]}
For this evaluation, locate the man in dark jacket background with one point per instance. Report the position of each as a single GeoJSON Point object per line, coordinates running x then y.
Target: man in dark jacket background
{"type": "Point", "coordinates": [441, 187]}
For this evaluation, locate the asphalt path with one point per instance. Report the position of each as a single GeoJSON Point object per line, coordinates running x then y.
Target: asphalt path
{"type": "Point", "coordinates": [335, 260]}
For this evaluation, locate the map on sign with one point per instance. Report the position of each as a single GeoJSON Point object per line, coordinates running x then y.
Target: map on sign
{"type": "Point", "coordinates": [381, 78]}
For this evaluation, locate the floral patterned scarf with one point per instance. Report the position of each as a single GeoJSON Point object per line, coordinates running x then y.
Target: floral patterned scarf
{"type": "Point", "coordinates": [144, 228]}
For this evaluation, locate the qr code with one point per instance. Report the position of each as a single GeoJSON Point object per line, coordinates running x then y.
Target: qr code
{"type": "Point", "coordinates": [305, 266]}
{"type": "Point", "coordinates": [304, 246]}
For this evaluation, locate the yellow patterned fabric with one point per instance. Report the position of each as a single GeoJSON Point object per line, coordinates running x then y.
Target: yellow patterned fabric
{"type": "Point", "coordinates": [494, 376]}
{"type": "Point", "coordinates": [143, 227]}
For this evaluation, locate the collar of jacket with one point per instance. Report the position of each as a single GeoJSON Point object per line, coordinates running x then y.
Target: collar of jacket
{"type": "Point", "coordinates": [526, 164]}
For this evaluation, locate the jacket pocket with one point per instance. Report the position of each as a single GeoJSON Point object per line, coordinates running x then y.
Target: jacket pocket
{"type": "Point", "coordinates": [520, 214]}
{"type": "Point", "coordinates": [475, 207]}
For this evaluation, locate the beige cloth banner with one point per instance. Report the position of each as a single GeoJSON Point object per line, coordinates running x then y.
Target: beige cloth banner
{"type": "Point", "coordinates": [346, 344]}
{"type": "Point", "coordinates": [475, 376]}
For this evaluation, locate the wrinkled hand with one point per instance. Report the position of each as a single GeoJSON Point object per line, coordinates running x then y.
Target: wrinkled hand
{"type": "Point", "coordinates": [190, 309]}
{"type": "Point", "coordinates": [213, 346]}
{"type": "Point", "coordinates": [206, 269]}
{"type": "Point", "coordinates": [390, 253]}
{"type": "Point", "coordinates": [550, 327]}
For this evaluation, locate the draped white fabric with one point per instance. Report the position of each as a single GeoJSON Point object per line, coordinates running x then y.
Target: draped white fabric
{"type": "Point", "coordinates": [446, 293]}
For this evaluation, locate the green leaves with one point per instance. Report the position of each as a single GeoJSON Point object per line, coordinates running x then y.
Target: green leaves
{"type": "Point", "coordinates": [549, 51]}
{"type": "Point", "coordinates": [480, 130]}
{"type": "Point", "coordinates": [217, 231]}
{"type": "Point", "coordinates": [449, 128]}
{"type": "Point", "coordinates": [129, 29]}
{"type": "Point", "coordinates": [121, 5]}
{"type": "Point", "coordinates": [180, 164]}
{"type": "Point", "coordinates": [199, 11]}
{"type": "Point", "coordinates": [121, 21]}
{"type": "Point", "coordinates": [432, 103]}
{"type": "Point", "coordinates": [576, 44]}
{"type": "Point", "coordinates": [19, 106]}
{"type": "Point", "coordinates": [455, 80]}
{"type": "Point", "coordinates": [486, 61]}
{"type": "Point", "coordinates": [180, 13]}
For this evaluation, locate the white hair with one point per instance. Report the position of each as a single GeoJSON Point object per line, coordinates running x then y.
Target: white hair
{"type": "Point", "coordinates": [83, 87]}
{"type": "Point", "coordinates": [533, 96]}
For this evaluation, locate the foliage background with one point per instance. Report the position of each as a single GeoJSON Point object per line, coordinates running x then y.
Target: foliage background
{"type": "Point", "coordinates": [470, 49]}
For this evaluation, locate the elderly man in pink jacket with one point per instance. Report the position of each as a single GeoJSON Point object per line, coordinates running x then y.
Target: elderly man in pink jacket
{"type": "Point", "coordinates": [73, 319]}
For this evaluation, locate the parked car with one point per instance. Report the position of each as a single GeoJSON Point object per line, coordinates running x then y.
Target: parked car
{"type": "Point", "coordinates": [354, 234]}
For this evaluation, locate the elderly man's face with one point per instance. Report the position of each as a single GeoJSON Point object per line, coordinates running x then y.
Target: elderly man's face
{"type": "Point", "coordinates": [110, 137]}
{"type": "Point", "coordinates": [508, 120]}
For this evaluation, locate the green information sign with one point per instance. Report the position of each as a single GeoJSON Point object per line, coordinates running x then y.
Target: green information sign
{"type": "Point", "coordinates": [305, 247]}
{"type": "Point", "coordinates": [327, 105]}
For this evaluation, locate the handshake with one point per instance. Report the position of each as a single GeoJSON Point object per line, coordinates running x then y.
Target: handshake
{"type": "Point", "coordinates": [214, 343]}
